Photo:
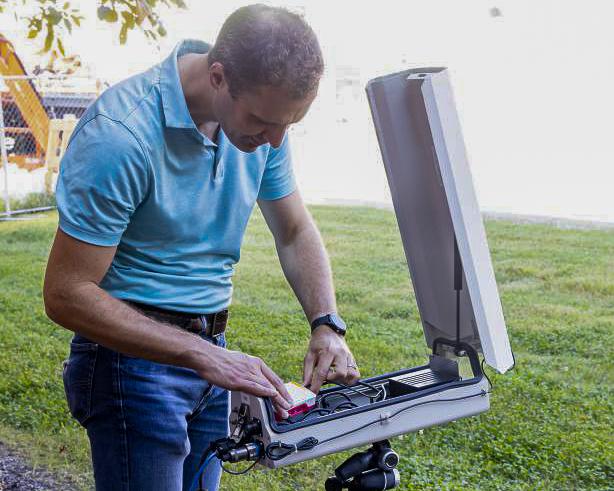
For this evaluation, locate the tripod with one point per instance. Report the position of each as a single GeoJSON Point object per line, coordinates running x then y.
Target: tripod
{"type": "Point", "coordinates": [371, 470]}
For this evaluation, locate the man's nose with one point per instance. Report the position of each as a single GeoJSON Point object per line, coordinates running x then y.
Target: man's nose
{"type": "Point", "coordinates": [276, 135]}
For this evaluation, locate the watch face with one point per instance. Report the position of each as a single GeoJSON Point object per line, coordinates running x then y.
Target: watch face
{"type": "Point", "coordinates": [338, 321]}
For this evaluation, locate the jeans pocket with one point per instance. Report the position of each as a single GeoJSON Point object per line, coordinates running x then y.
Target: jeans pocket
{"type": "Point", "coordinates": [78, 375]}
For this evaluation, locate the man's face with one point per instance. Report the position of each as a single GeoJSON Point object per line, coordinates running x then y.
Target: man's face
{"type": "Point", "coordinates": [258, 116]}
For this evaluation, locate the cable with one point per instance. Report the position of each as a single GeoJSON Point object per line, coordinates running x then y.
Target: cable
{"type": "Point", "coordinates": [490, 385]}
{"type": "Point", "coordinates": [379, 391]}
{"type": "Point", "coordinates": [368, 384]}
{"type": "Point", "coordinates": [322, 399]}
{"type": "Point", "coordinates": [301, 417]}
{"type": "Point", "coordinates": [353, 389]}
{"type": "Point", "coordinates": [344, 405]}
{"type": "Point", "coordinates": [324, 411]}
{"type": "Point", "coordinates": [197, 478]}
{"type": "Point", "coordinates": [244, 471]}
{"type": "Point", "coordinates": [278, 450]}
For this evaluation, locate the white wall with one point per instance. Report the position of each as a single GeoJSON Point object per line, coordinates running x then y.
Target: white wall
{"type": "Point", "coordinates": [533, 87]}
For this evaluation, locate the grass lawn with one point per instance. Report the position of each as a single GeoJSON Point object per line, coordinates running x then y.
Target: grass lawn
{"type": "Point", "coordinates": [550, 426]}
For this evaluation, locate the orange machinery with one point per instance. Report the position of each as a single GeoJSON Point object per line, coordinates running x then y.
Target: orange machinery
{"type": "Point", "coordinates": [40, 141]}
{"type": "Point", "coordinates": [24, 95]}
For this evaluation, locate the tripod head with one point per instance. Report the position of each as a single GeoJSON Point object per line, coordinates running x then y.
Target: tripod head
{"type": "Point", "coordinates": [373, 469]}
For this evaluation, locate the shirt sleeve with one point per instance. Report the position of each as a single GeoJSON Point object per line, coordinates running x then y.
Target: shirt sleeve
{"type": "Point", "coordinates": [104, 176]}
{"type": "Point", "coordinates": [278, 178]}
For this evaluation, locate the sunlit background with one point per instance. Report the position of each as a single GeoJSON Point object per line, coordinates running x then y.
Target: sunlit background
{"type": "Point", "coordinates": [533, 82]}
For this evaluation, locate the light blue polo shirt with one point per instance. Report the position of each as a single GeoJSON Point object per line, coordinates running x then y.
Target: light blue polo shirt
{"type": "Point", "coordinates": [138, 174]}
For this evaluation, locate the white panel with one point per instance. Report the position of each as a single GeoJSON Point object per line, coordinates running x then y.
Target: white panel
{"type": "Point", "coordinates": [466, 218]}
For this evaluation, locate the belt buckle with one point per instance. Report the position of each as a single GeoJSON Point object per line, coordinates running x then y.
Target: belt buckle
{"type": "Point", "coordinates": [218, 326]}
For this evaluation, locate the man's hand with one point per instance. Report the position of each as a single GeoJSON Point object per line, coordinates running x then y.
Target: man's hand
{"type": "Point", "coordinates": [74, 300]}
{"type": "Point", "coordinates": [328, 359]}
{"type": "Point", "coordinates": [238, 371]}
{"type": "Point", "coordinates": [307, 268]}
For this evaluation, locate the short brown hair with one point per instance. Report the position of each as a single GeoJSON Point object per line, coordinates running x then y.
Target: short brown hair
{"type": "Point", "coordinates": [261, 45]}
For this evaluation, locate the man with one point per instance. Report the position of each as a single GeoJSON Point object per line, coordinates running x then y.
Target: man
{"type": "Point", "coordinates": [156, 188]}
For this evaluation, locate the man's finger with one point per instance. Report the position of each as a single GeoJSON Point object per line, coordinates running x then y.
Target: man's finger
{"type": "Point", "coordinates": [281, 405]}
{"type": "Point", "coordinates": [341, 369]}
{"type": "Point", "coordinates": [282, 412]}
{"type": "Point", "coordinates": [353, 376]}
{"type": "Point", "coordinates": [263, 388]}
{"type": "Point", "coordinates": [256, 389]}
{"type": "Point", "coordinates": [277, 382]}
{"type": "Point", "coordinates": [308, 365]}
{"type": "Point", "coordinates": [322, 371]}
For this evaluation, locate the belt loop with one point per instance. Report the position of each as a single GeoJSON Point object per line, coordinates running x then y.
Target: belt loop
{"type": "Point", "coordinates": [220, 320]}
{"type": "Point", "coordinates": [204, 324]}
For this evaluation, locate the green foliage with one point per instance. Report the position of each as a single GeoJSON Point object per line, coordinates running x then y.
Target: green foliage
{"type": "Point", "coordinates": [30, 200]}
{"type": "Point", "coordinates": [53, 20]}
{"type": "Point", "coordinates": [550, 425]}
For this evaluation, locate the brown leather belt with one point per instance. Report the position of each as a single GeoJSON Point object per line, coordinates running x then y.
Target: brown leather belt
{"type": "Point", "coordinates": [211, 325]}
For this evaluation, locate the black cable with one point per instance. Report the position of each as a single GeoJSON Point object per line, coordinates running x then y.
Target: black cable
{"type": "Point", "coordinates": [332, 394]}
{"type": "Point", "coordinates": [490, 385]}
{"type": "Point", "coordinates": [322, 411]}
{"type": "Point", "coordinates": [279, 450]}
{"type": "Point", "coordinates": [301, 417]}
{"type": "Point", "coordinates": [457, 316]}
{"type": "Point", "coordinates": [368, 384]}
{"type": "Point", "coordinates": [241, 472]}
{"type": "Point", "coordinates": [352, 389]}
{"type": "Point", "coordinates": [344, 405]}
{"type": "Point", "coordinates": [379, 391]}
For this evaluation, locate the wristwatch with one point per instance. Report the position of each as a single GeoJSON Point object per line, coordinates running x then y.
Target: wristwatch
{"type": "Point", "coordinates": [331, 320]}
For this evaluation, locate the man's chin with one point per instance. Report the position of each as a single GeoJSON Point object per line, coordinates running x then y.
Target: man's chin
{"type": "Point", "coordinates": [249, 148]}
{"type": "Point", "coordinates": [242, 145]}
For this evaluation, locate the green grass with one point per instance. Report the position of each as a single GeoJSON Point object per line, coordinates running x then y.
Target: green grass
{"type": "Point", "coordinates": [550, 425]}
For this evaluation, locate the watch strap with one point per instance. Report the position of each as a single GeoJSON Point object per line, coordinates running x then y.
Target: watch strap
{"type": "Point", "coordinates": [331, 320]}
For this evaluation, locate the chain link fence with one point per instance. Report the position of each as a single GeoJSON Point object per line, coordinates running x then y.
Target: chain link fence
{"type": "Point", "coordinates": [37, 116]}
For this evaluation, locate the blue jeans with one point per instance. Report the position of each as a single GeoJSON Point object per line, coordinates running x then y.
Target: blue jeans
{"type": "Point", "coordinates": [148, 423]}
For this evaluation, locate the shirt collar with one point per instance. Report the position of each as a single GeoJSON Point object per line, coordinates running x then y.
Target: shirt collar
{"type": "Point", "coordinates": [176, 113]}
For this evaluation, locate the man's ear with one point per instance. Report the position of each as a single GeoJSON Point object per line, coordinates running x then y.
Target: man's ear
{"type": "Point", "coordinates": [216, 76]}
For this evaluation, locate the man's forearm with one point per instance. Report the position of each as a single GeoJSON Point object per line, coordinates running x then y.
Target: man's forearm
{"type": "Point", "coordinates": [307, 268]}
{"type": "Point", "coordinates": [87, 309]}
{"type": "Point", "coordinates": [90, 311]}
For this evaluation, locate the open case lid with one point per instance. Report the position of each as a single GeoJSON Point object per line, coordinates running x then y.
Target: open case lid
{"type": "Point", "coordinates": [435, 203]}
